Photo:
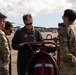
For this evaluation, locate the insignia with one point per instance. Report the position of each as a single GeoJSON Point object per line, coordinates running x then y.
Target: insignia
{"type": "Point", "coordinates": [25, 35]}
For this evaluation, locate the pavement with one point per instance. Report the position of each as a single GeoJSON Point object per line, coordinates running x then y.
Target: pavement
{"type": "Point", "coordinates": [14, 54]}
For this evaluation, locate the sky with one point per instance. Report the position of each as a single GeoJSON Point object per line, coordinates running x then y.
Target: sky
{"type": "Point", "coordinates": [46, 13]}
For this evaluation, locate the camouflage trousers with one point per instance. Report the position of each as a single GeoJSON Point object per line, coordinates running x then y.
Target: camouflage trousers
{"type": "Point", "coordinates": [4, 68]}
{"type": "Point", "coordinates": [67, 69]}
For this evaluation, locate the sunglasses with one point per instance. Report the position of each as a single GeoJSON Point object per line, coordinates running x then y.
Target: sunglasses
{"type": "Point", "coordinates": [63, 17]}
{"type": "Point", "coordinates": [28, 24]}
{"type": "Point", "coordinates": [10, 31]}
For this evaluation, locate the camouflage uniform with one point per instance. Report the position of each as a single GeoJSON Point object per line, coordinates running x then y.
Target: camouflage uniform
{"type": "Point", "coordinates": [4, 54]}
{"type": "Point", "coordinates": [68, 50]}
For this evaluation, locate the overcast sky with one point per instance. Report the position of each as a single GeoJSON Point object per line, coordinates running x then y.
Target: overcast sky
{"type": "Point", "coordinates": [47, 13]}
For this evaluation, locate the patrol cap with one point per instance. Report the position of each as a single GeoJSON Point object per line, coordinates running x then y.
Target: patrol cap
{"type": "Point", "coordinates": [61, 24]}
{"type": "Point", "coordinates": [71, 14]}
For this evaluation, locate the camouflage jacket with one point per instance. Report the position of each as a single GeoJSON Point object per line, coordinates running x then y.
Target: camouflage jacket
{"type": "Point", "coordinates": [4, 48]}
{"type": "Point", "coordinates": [67, 38]}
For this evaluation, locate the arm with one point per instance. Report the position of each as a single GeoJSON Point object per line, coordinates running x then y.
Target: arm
{"type": "Point", "coordinates": [64, 45]}
{"type": "Point", "coordinates": [72, 39]}
{"type": "Point", "coordinates": [38, 36]}
{"type": "Point", "coordinates": [16, 40]}
{"type": "Point", "coordinates": [4, 48]}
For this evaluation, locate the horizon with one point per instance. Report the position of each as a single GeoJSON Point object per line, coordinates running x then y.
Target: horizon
{"type": "Point", "coordinates": [45, 13]}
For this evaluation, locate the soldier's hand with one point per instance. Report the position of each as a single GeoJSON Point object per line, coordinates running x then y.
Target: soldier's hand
{"type": "Point", "coordinates": [69, 56]}
{"type": "Point", "coordinates": [21, 44]}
